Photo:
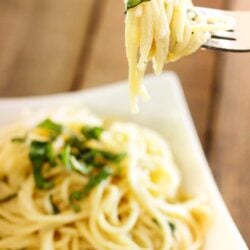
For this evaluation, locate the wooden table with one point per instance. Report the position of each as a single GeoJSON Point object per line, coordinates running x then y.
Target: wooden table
{"type": "Point", "coordinates": [52, 46]}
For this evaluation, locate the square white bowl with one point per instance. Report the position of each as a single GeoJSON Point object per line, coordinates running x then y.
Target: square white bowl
{"type": "Point", "coordinates": [166, 113]}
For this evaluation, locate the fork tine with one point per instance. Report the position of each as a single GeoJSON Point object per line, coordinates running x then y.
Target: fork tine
{"type": "Point", "coordinates": [224, 38]}
{"type": "Point", "coordinates": [224, 35]}
{"type": "Point", "coordinates": [235, 40]}
{"type": "Point", "coordinates": [225, 45]}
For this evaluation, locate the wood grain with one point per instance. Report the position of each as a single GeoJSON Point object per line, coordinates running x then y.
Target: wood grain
{"type": "Point", "coordinates": [230, 136]}
{"type": "Point", "coordinates": [14, 22]}
{"type": "Point", "coordinates": [46, 51]}
{"type": "Point", "coordinates": [107, 61]}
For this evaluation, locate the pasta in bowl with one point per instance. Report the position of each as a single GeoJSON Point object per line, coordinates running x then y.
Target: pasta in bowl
{"type": "Point", "coordinates": [73, 180]}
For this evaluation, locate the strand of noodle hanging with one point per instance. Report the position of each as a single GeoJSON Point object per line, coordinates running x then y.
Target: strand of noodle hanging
{"type": "Point", "coordinates": [163, 31]}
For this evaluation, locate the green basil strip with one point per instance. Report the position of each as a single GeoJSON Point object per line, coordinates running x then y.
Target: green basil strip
{"type": "Point", "coordinates": [72, 163]}
{"type": "Point", "coordinates": [80, 167]}
{"type": "Point", "coordinates": [55, 129]}
{"type": "Point", "coordinates": [65, 157]}
{"type": "Point", "coordinates": [172, 227]}
{"type": "Point", "coordinates": [133, 3]}
{"type": "Point", "coordinates": [92, 132]}
{"type": "Point", "coordinates": [40, 153]}
{"type": "Point", "coordinates": [170, 224]}
{"type": "Point", "coordinates": [55, 208]}
{"type": "Point", "coordinates": [94, 181]}
{"type": "Point", "coordinates": [99, 158]}
{"type": "Point", "coordinates": [40, 181]}
{"type": "Point", "coordinates": [20, 139]}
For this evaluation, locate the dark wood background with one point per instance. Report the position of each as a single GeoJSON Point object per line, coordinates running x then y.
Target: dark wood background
{"type": "Point", "coordinates": [51, 46]}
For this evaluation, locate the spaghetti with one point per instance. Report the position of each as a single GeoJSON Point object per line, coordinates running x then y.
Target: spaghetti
{"type": "Point", "coordinates": [74, 181]}
{"type": "Point", "coordinates": [164, 31]}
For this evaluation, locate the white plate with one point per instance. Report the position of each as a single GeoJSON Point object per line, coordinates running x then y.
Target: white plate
{"type": "Point", "coordinates": [168, 114]}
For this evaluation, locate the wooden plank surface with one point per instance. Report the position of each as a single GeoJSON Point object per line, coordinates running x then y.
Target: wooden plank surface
{"type": "Point", "coordinates": [229, 147]}
{"type": "Point", "coordinates": [14, 20]}
{"type": "Point", "coordinates": [230, 143]}
{"type": "Point", "coordinates": [41, 43]}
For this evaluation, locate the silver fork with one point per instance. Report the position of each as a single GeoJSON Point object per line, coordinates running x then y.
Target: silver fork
{"type": "Point", "coordinates": [235, 40]}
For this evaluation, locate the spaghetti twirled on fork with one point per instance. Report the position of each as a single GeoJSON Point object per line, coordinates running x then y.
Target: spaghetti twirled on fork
{"type": "Point", "coordinates": [163, 31]}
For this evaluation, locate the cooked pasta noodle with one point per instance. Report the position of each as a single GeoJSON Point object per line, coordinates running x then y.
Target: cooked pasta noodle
{"type": "Point", "coordinates": [164, 31]}
{"type": "Point", "coordinates": [137, 206]}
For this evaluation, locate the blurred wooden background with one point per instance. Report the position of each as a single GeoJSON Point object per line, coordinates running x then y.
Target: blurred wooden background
{"type": "Point", "coordinates": [51, 46]}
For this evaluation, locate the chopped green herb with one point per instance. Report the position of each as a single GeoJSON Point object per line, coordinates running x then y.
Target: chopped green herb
{"type": "Point", "coordinates": [89, 156]}
{"type": "Point", "coordinates": [93, 157]}
{"type": "Point", "coordinates": [65, 157]}
{"type": "Point", "coordinates": [54, 128]}
{"type": "Point", "coordinates": [41, 182]}
{"type": "Point", "coordinates": [21, 139]}
{"type": "Point", "coordinates": [155, 221]}
{"type": "Point", "coordinates": [172, 227]}
{"type": "Point", "coordinates": [133, 3]}
{"type": "Point", "coordinates": [76, 208]}
{"type": "Point", "coordinates": [72, 163]}
{"type": "Point", "coordinates": [116, 158]}
{"type": "Point", "coordinates": [75, 142]}
{"type": "Point", "coordinates": [80, 167]}
{"type": "Point", "coordinates": [92, 183]}
{"type": "Point", "coordinates": [40, 153]}
{"type": "Point", "coordinates": [55, 208]}
{"type": "Point", "coordinates": [99, 158]}
{"type": "Point", "coordinates": [92, 132]}
{"type": "Point", "coordinates": [8, 198]}
{"type": "Point", "coordinates": [51, 156]}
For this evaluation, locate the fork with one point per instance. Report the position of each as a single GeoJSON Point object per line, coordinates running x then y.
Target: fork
{"type": "Point", "coordinates": [235, 40]}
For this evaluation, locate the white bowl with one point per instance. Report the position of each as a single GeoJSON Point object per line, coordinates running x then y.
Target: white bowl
{"type": "Point", "coordinates": [166, 113]}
